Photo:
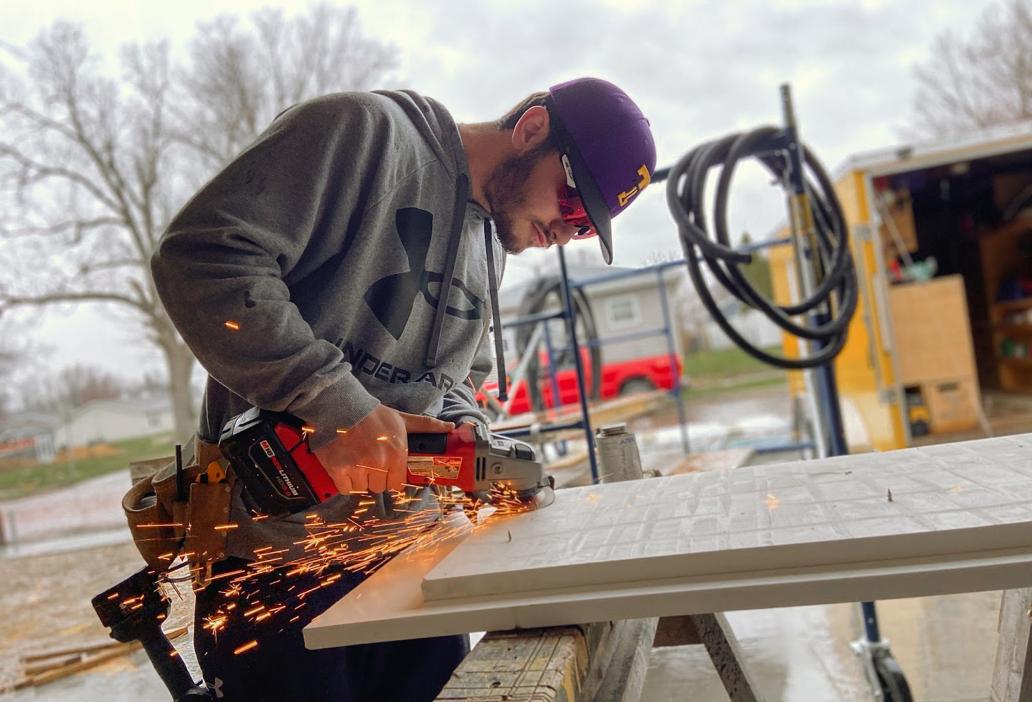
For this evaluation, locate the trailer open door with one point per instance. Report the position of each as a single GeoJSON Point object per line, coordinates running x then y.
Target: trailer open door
{"type": "Point", "coordinates": [871, 401]}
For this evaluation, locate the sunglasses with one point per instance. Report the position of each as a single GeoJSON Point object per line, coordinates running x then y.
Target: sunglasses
{"type": "Point", "coordinates": [571, 207]}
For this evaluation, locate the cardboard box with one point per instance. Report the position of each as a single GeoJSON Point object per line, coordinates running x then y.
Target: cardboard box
{"type": "Point", "coordinates": [952, 404]}
{"type": "Point", "coordinates": [931, 331]}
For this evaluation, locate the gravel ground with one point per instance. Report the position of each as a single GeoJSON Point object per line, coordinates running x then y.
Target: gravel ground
{"type": "Point", "coordinates": [45, 602]}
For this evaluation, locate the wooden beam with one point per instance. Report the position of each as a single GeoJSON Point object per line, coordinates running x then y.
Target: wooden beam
{"type": "Point", "coordinates": [604, 662]}
{"type": "Point", "coordinates": [69, 650]}
{"type": "Point", "coordinates": [607, 412]}
{"type": "Point", "coordinates": [726, 655]}
{"type": "Point", "coordinates": [545, 665]}
{"type": "Point", "coordinates": [676, 631]}
{"type": "Point", "coordinates": [1012, 675]}
{"type": "Point", "coordinates": [67, 661]}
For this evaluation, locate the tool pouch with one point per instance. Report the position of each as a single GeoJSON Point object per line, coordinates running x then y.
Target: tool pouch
{"type": "Point", "coordinates": [207, 520]}
{"type": "Point", "coordinates": [151, 525]}
{"type": "Point", "coordinates": [173, 514]}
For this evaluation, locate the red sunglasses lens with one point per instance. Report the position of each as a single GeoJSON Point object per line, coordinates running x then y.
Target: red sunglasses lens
{"type": "Point", "coordinates": [571, 208]}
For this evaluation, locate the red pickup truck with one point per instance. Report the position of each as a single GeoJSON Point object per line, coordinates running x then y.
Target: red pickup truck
{"type": "Point", "coordinates": [619, 378]}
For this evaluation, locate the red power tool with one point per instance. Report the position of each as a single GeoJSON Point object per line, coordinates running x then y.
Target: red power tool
{"type": "Point", "coordinates": [270, 454]}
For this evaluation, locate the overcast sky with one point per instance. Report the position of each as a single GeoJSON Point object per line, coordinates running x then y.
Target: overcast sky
{"type": "Point", "coordinates": [698, 70]}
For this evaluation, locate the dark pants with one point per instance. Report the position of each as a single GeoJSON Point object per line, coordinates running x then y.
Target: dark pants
{"type": "Point", "coordinates": [281, 669]}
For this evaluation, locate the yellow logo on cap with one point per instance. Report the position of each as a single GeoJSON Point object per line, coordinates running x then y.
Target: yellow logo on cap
{"type": "Point", "coordinates": [625, 197]}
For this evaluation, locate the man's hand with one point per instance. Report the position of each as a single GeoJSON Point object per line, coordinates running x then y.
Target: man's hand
{"type": "Point", "coordinates": [373, 454]}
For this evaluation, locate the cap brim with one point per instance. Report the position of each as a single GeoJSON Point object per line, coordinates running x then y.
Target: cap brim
{"type": "Point", "coordinates": [594, 204]}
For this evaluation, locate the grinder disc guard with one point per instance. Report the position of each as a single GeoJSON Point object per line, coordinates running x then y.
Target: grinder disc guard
{"type": "Point", "coordinates": [538, 497]}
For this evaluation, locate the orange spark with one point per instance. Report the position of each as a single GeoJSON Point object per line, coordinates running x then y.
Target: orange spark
{"type": "Point", "coordinates": [246, 647]}
{"type": "Point", "coordinates": [230, 324]}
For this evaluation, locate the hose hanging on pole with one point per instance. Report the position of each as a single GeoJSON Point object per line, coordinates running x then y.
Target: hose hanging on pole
{"type": "Point", "coordinates": [545, 295]}
{"type": "Point", "coordinates": [831, 305]}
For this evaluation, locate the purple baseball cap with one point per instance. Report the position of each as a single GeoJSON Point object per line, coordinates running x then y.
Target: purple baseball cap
{"type": "Point", "coordinates": [609, 147]}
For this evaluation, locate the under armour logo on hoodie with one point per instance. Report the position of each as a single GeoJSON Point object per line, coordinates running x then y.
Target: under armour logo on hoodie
{"type": "Point", "coordinates": [391, 297]}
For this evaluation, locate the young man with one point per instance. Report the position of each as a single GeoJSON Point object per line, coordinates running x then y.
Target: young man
{"type": "Point", "coordinates": [343, 269]}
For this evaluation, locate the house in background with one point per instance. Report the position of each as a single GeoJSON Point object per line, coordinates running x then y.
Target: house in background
{"type": "Point", "coordinates": [755, 326]}
{"type": "Point", "coordinates": [28, 435]}
{"type": "Point", "coordinates": [39, 437]}
{"type": "Point", "coordinates": [114, 420]}
{"type": "Point", "coordinates": [621, 307]}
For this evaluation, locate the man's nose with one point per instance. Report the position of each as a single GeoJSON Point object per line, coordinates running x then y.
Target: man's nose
{"type": "Point", "coordinates": [563, 232]}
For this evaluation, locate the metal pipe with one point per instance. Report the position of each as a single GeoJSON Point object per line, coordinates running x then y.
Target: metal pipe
{"type": "Point", "coordinates": [533, 319]}
{"type": "Point", "coordinates": [675, 376]}
{"type": "Point", "coordinates": [803, 235]}
{"type": "Point", "coordinates": [780, 448]}
{"type": "Point", "coordinates": [571, 321]}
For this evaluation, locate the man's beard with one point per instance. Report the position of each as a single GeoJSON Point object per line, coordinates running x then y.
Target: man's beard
{"type": "Point", "coordinates": [506, 192]}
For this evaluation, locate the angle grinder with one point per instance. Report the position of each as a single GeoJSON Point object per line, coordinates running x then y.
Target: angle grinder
{"type": "Point", "coordinates": [270, 454]}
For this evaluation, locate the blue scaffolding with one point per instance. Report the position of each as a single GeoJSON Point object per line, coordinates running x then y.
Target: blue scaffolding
{"type": "Point", "coordinates": [568, 315]}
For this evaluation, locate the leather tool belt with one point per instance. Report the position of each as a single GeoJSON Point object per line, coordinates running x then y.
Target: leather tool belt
{"type": "Point", "coordinates": [183, 513]}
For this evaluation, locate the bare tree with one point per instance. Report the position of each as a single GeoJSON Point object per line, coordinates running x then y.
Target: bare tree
{"type": "Point", "coordinates": [980, 81]}
{"type": "Point", "coordinates": [80, 384]}
{"type": "Point", "coordinates": [92, 167]}
{"type": "Point", "coordinates": [243, 74]}
{"type": "Point", "coordinates": [84, 161]}
{"type": "Point", "coordinates": [12, 350]}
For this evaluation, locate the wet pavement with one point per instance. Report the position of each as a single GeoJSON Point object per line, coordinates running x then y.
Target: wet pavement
{"type": "Point", "coordinates": [945, 645]}
{"type": "Point", "coordinates": [92, 505]}
{"type": "Point", "coordinates": [45, 604]}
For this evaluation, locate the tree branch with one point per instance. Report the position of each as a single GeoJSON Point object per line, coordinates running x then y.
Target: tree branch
{"type": "Point", "coordinates": [11, 301]}
{"type": "Point", "coordinates": [43, 171]}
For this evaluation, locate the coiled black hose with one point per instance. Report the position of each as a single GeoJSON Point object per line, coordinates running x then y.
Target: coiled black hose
{"type": "Point", "coordinates": [544, 295]}
{"type": "Point", "coordinates": [831, 304]}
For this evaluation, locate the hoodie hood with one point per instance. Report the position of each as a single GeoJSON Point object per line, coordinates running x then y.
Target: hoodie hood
{"type": "Point", "coordinates": [434, 122]}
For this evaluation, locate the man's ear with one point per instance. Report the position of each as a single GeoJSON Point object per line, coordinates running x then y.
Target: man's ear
{"type": "Point", "coordinates": [531, 130]}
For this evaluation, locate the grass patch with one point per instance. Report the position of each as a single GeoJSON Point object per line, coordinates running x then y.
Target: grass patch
{"type": "Point", "coordinates": [753, 381]}
{"type": "Point", "coordinates": [704, 366]}
{"type": "Point", "coordinates": [29, 480]}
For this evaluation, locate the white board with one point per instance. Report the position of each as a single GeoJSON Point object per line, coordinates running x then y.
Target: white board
{"type": "Point", "coordinates": [959, 519]}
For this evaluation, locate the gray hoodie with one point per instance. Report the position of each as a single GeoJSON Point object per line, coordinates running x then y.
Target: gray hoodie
{"type": "Point", "coordinates": [307, 277]}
